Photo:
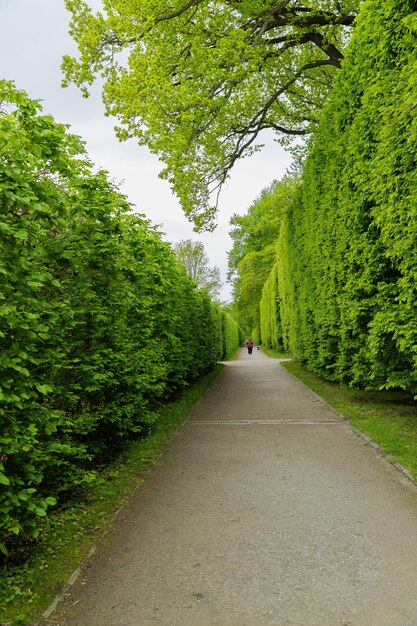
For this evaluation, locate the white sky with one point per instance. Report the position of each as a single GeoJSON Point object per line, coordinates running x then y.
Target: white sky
{"type": "Point", "coordinates": [33, 38]}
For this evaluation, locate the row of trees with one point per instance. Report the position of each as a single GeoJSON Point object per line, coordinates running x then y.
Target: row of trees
{"type": "Point", "coordinates": [342, 296]}
{"type": "Point", "coordinates": [253, 253]}
{"type": "Point", "coordinates": [99, 323]}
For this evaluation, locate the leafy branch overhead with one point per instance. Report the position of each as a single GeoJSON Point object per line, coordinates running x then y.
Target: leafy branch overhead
{"type": "Point", "coordinates": [198, 81]}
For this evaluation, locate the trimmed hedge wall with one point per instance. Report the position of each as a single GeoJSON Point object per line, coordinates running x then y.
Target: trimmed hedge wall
{"type": "Point", "coordinates": [347, 263]}
{"type": "Point", "coordinates": [98, 322]}
{"type": "Point", "coordinates": [270, 318]}
{"type": "Point", "coordinates": [232, 336]}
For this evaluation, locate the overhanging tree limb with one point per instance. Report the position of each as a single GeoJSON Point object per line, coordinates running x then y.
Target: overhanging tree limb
{"type": "Point", "coordinates": [198, 81]}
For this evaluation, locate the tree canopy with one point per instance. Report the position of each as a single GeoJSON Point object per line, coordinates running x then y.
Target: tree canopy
{"type": "Point", "coordinates": [259, 227]}
{"type": "Point", "coordinates": [193, 257]}
{"type": "Point", "coordinates": [197, 81]}
{"type": "Point", "coordinates": [253, 254]}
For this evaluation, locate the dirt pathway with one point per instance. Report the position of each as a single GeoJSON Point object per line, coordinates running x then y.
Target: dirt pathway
{"type": "Point", "coordinates": [265, 509]}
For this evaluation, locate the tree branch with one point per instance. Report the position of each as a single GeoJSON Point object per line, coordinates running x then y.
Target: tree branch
{"type": "Point", "coordinates": [314, 20]}
{"type": "Point", "coordinates": [314, 37]}
{"type": "Point", "coordinates": [180, 11]}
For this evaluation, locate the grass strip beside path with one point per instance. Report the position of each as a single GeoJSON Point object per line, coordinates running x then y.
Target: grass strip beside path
{"type": "Point", "coordinates": [389, 418]}
{"type": "Point", "coordinates": [32, 578]}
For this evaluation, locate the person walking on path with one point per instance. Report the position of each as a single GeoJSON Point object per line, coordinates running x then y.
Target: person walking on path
{"type": "Point", "coordinates": [249, 345]}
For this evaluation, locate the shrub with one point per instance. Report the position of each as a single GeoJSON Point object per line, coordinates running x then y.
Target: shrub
{"type": "Point", "coordinates": [98, 322]}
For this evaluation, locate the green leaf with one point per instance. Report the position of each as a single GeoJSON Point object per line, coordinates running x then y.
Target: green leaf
{"type": "Point", "coordinates": [44, 389]}
{"type": "Point", "coordinates": [40, 512]}
{"type": "Point", "coordinates": [21, 234]}
{"type": "Point", "coordinates": [5, 228]}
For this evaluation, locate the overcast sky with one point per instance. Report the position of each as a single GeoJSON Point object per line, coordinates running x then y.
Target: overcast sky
{"type": "Point", "coordinates": [33, 38]}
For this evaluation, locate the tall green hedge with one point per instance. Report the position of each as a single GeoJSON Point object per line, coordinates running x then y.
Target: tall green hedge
{"type": "Point", "coordinates": [270, 317]}
{"type": "Point", "coordinates": [232, 335]}
{"type": "Point", "coordinates": [347, 266]}
{"type": "Point", "coordinates": [254, 238]}
{"type": "Point", "coordinates": [98, 322]}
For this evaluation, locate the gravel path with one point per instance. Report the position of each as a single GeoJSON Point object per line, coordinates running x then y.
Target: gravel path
{"type": "Point", "coordinates": [265, 509]}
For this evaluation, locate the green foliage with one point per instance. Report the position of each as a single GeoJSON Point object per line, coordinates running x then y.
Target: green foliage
{"type": "Point", "coordinates": [256, 335]}
{"type": "Point", "coordinates": [253, 271]}
{"type": "Point", "coordinates": [198, 81]}
{"type": "Point", "coordinates": [38, 568]}
{"type": "Point", "coordinates": [347, 248]}
{"type": "Point", "coordinates": [254, 248]}
{"type": "Point", "coordinates": [259, 227]}
{"type": "Point", "coordinates": [270, 317]}
{"type": "Point", "coordinates": [98, 323]}
{"type": "Point", "coordinates": [232, 335]}
{"type": "Point", "coordinates": [192, 255]}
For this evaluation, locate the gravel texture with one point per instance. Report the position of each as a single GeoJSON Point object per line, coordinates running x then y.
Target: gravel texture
{"type": "Point", "coordinates": [245, 523]}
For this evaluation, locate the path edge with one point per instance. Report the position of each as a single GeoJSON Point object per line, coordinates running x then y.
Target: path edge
{"type": "Point", "coordinates": [346, 420]}
{"type": "Point", "coordinates": [44, 619]}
